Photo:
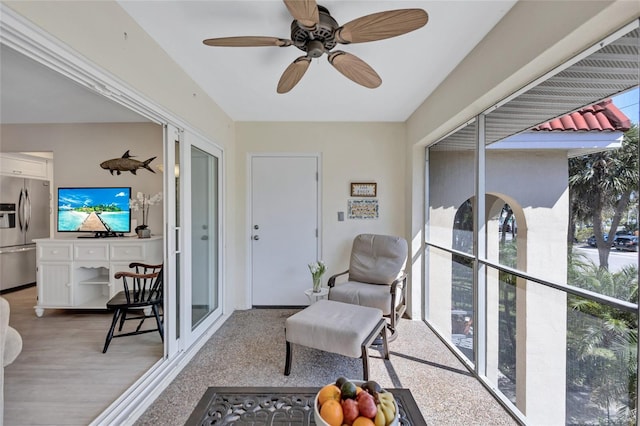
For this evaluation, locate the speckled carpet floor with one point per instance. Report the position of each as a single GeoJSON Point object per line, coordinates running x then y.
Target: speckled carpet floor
{"type": "Point", "coordinates": [249, 350]}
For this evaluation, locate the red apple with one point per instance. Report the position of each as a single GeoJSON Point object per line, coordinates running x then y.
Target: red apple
{"type": "Point", "coordinates": [366, 405]}
{"type": "Point", "coordinates": [350, 410]}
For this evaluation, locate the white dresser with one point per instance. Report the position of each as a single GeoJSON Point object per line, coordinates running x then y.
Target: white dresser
{"type": "Point", "coordinates": [78, 273]}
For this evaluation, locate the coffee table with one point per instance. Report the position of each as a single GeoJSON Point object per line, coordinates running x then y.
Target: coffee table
{"type": "Point", "coordinates": [278, 406]}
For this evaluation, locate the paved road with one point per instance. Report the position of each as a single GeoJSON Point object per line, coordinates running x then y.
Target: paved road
{"type": "Point", "coordinates": [617, 259]}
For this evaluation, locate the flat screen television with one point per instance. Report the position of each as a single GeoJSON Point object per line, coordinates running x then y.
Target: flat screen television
{"type": "Point", "coordinates": [103, 211]}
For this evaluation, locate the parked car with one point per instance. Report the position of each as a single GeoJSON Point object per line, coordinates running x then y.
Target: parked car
{"type": "Point", "coordinates": [592, 240]}
{"type": "Point", "coordinates": [626, 242]}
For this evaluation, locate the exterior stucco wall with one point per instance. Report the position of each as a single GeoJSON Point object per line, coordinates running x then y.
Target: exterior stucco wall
{"type": "Point", "coordinates": [535, 184]}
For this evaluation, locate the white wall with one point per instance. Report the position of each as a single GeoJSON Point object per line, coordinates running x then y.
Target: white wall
{"type": "Point", "coordinates": [351, 152]}
{"type": "Point", "coordinates": [78, 150]}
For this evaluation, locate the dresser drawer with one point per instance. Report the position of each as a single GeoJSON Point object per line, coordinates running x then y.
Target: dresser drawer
{"type": "Point", "coordinates": [91, 252]}
{"type": "Point", "coordinates": [128, 252]}
{"type": "Point", "coordinates": [55, 252]}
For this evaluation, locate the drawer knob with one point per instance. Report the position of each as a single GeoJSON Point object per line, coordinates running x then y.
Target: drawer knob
{"type": "Point", "coordinates": [54, 251]}
{"type": "Point", "coordinates": [68, 284]}
{"type": "Point", "coordinates": [90, 251]}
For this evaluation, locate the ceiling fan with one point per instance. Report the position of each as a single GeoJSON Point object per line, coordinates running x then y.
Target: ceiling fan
{"type": "Point", "coordinates": [315, 32]}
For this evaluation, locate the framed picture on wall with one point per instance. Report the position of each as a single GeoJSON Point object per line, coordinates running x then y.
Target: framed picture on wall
{"type": "Point", "coordinates": [364, 189]}
{"type": "Point", "coordinates": [363, 209]}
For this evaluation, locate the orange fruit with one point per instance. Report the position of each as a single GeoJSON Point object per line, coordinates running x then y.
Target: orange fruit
{"type": "Point", "coordinates": [363, 421]}
{"type": "Point", "coordinates": [328, 392]}
{"type": "Point", "coordinates": [331, 412]}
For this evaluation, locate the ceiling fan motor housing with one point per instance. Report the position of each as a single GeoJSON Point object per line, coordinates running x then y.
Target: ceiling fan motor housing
{"type": "Point", "coordinates": [315, 41]}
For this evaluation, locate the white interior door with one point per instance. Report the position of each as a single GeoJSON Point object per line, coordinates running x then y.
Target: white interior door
{"type": "Point", "coordinates": [285, 230]}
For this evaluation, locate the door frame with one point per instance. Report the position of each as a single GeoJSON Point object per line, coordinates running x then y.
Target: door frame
{"type": "Point", "coordinates": [172, 241]}
{"type": "Point", "coordinates": [248, 294]}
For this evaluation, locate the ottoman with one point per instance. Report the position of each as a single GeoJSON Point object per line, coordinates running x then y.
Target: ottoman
{"type": "Point", "coordinates": [337, 327]}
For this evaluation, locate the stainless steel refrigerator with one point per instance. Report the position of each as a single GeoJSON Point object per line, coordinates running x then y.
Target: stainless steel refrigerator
{"type": "Point", "coordinates": [24, 216]}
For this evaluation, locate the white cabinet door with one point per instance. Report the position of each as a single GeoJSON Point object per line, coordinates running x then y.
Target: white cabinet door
{"type": "Point", "coordinates": [57, 291]}
{"type": "Point", "coordinates": [23, 166]}
{"type": "Point", "coordinates": [116, 285]}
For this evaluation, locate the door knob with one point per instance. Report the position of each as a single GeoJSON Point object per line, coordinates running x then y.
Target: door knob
{"type": "Point", "coordinates": [256, 237]}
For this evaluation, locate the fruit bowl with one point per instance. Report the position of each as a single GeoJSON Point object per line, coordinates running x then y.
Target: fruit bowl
{"type": "Point", "coordinates": [359, 383]}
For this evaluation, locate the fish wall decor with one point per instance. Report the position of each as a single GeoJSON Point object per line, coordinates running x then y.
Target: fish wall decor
{"type": "Point", "coordinates": [126, 163]}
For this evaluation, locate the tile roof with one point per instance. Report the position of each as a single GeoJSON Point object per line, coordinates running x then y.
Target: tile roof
{"type": "Point", "coordinates": [603, 116]}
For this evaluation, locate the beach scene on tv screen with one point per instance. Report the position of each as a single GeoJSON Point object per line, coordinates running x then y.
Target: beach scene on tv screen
{"type": "Point", "coordinates": [93, 209]}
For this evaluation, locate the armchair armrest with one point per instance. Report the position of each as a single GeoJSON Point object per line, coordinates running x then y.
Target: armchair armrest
{"type": "Point", "coordinates": [332, 279]}
{"type": "Point", "coordinates": [394, 285]}
{"type": "Point", "coordinates": [121, 274]}
{"type": "Point", "coordinates": [144, 265]}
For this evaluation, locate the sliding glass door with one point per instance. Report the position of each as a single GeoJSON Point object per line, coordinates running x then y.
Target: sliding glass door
{"type": "Point", "coordinates": [201, 291]}
{"type": "Point", "coordinates": [204, 235]}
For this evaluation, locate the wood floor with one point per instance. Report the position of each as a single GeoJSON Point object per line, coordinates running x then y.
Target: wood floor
{"type": "Point", "coordinates": [62, 377]}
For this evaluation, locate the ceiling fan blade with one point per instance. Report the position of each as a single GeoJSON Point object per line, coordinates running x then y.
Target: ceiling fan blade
{"type": "Point", "coordinates": [304, 11]}
{"type": "Point", "coordinates": [355, 69]}
{"type": "Point", "coordinates": [247, 41]}
{"type": "Point", "coordinates": [292, 75]}
{"type": "Point", "coordinates": [381, 25]}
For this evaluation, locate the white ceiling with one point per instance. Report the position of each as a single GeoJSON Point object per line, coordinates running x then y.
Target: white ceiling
{"type": "Point", "coordinates": [242, 81]}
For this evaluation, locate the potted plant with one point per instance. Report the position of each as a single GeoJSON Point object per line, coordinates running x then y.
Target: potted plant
{"type": "Point", "coordinates": [143, 202]}
{"type": "Point", "coordinates": [317, 269]}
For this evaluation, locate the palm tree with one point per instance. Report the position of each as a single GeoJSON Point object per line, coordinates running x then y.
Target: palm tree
{"type": "Point", "coordinates": [602, 340]}
{"type": "Point", "coordinates": [604, 180]}
{"type": "Point", "coordinates": [507, 311]}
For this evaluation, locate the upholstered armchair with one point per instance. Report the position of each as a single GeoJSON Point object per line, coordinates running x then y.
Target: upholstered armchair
{"type": "Point", "coordinates": [10, 347]}
{"type": "Point", "coordinates": [376, 277]}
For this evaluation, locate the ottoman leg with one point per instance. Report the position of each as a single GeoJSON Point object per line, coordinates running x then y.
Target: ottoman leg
{"type": "Point", "coordinates": [385, 343]}
{"type": "Point", "coordinates": [380, 327]}
{"type": "Point", "coordinates": [287, 363]}
{"type": "Point", "coordinates": [365, 365]}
